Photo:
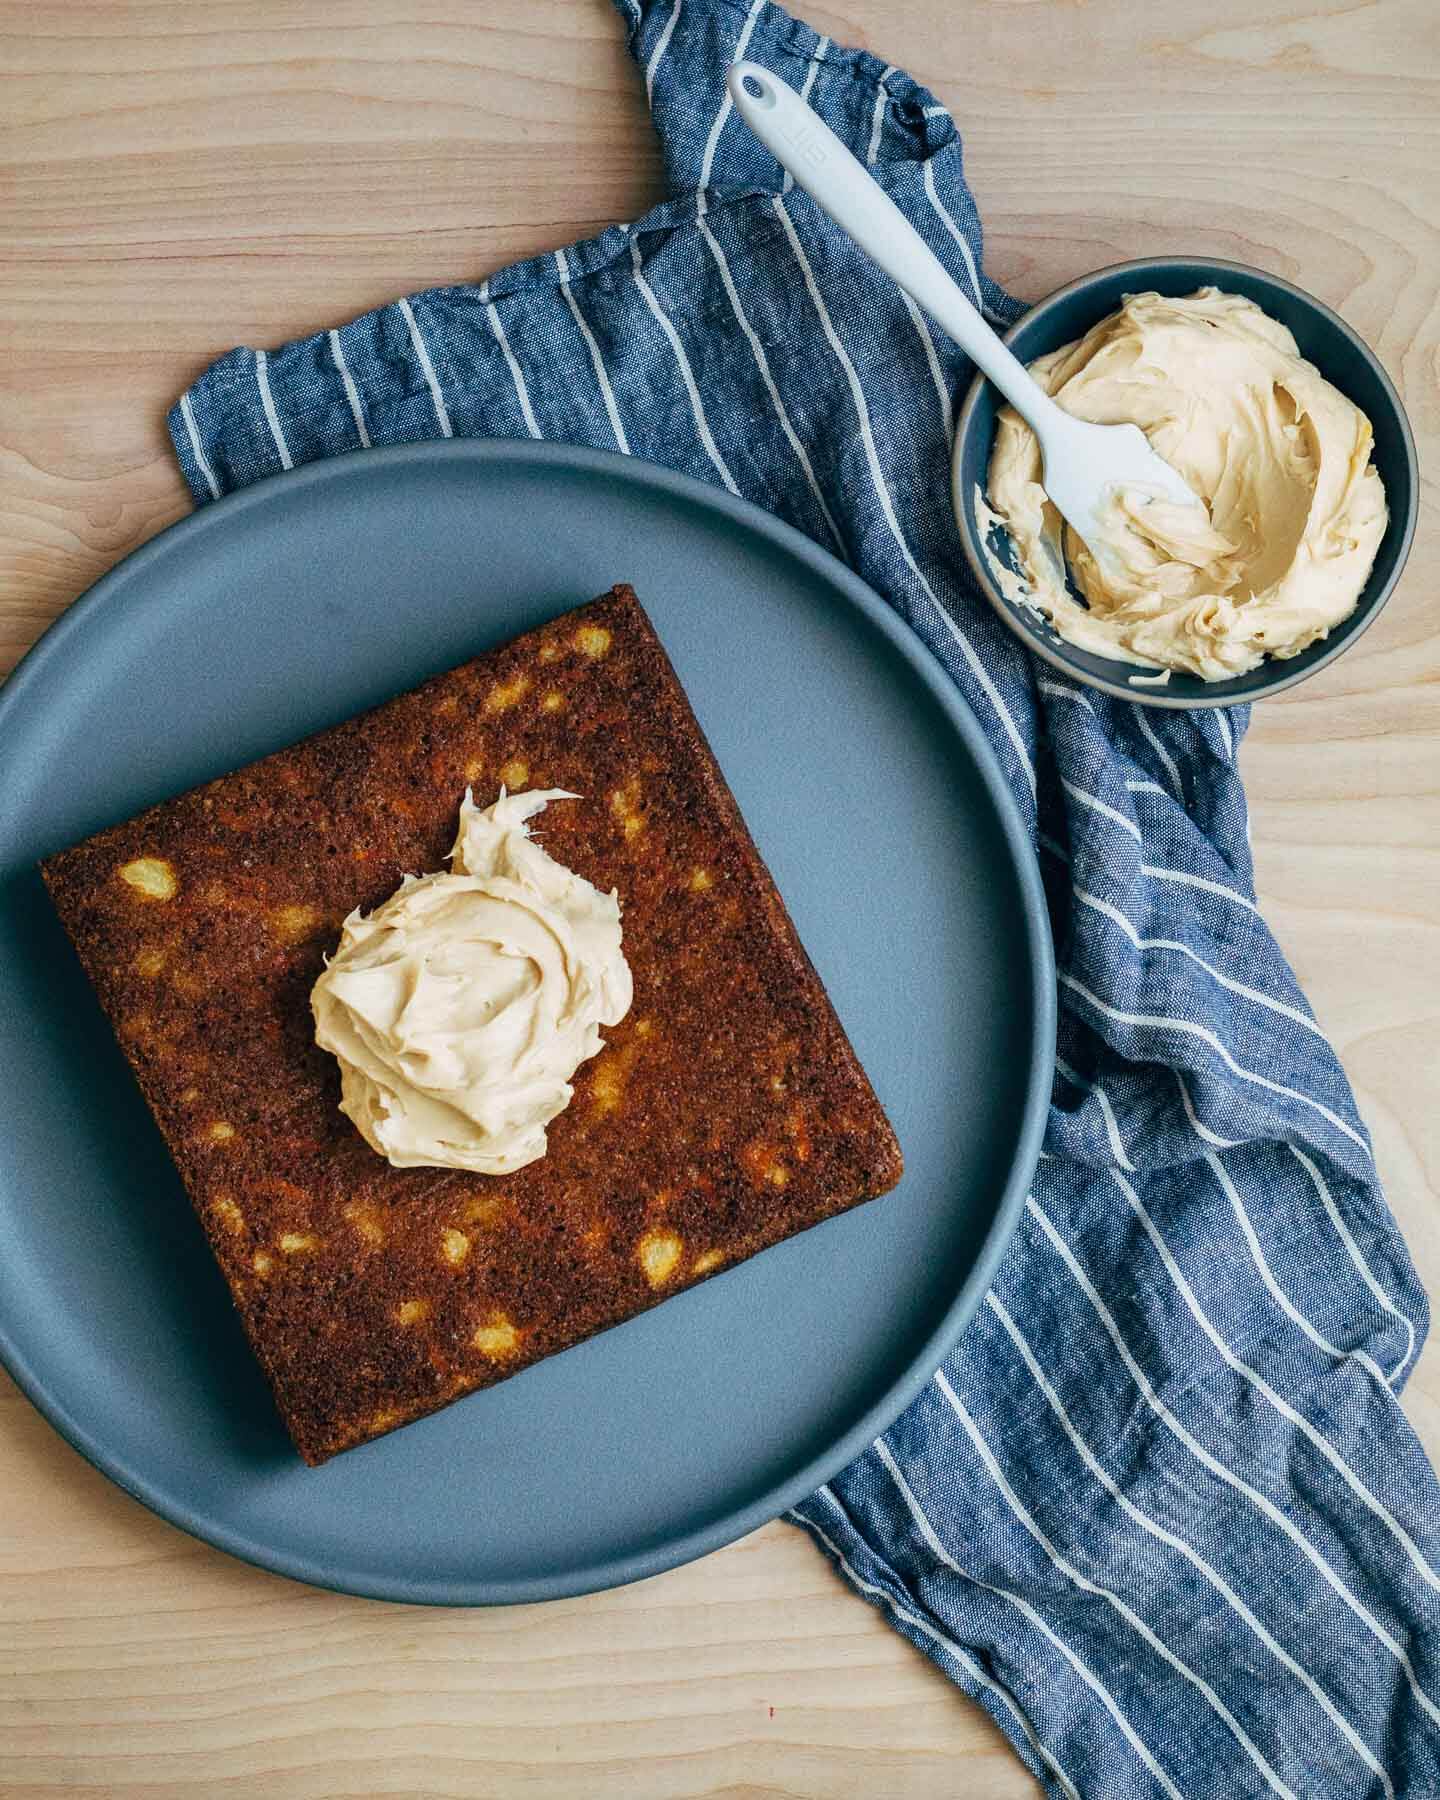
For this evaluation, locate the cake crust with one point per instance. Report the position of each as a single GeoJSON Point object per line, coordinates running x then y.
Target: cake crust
{"type": "Point", "coordinates": [726, 1113]}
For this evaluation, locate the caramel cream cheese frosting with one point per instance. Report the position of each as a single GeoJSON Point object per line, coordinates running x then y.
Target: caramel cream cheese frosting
{"type": "Point", "coordinates": [1293, 510]}
{"type": "Point", "coordinates": [460, 1010]}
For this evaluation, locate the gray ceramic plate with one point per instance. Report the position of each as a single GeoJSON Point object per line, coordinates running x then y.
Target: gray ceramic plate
{"type": "Point", "coordinates": [889, 830]}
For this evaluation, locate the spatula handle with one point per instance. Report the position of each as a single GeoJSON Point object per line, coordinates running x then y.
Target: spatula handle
{"type": "Point", "coordinates": [842, 187]}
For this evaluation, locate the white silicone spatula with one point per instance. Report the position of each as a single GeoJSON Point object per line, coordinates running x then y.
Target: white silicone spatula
{"type": "Point", "coordinates": [1083, 463]}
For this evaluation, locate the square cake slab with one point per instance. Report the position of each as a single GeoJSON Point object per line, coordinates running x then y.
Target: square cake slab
{"type": "Point", "coordinates": [726, 1113]}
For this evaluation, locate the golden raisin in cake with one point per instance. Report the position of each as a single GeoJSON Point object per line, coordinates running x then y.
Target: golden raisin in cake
{"type": "Point", "coordinates": [726, 1112]}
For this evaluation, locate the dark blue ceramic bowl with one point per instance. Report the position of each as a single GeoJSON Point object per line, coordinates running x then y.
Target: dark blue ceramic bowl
{"type": "Point", "coordinates": [1324, 338]}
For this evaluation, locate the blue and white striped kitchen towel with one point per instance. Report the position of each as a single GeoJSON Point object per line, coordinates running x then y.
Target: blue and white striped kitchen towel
{"type": "Point", "coordinates": [1160, 1513]}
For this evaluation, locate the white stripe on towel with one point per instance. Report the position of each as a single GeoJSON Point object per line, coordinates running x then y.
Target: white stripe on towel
{"type": "Point", "coordinates": [727, 105]}
{"type": "Point", "coordinates": [597, 362]}
{"type": "Point", "coordinates": [427, 369]}
{"type": "Point", "coordinates": [1102, 807]}
{"type": "Point", "coordinates": [522, 393]}
{"type": "Point", "coordinates": [1199, 881]}
{"type": "Point", "coordinates": [961, 241]}
{"type": "Point", "coordinates": [187, 412]}
{"type": "Point", "coordinates": [352, 393]}
{"type": "Point", "coordinates": [1057, 692]}
{"type": "Point", "coordinates": [1112, 1126]}
{"type": "Point", "coordinates": [877, 122]}
{"type": "Point", "coordinates": [1201, 1131]}
{"type": "Point", "coordinates": [1167, 760]}
{"type": "Point", "coordinates": [762, 362]}
{"type": "Point", "coordinates": [267, 400]}
{"type": "Point", "coordinates": [932, 359]}
{"type": "Point", "coordinates": [687, 374]}
{"type": "Point", "coordinates": [662, 44]}
{"type": "Point", "coordinates": [1327, 1200]}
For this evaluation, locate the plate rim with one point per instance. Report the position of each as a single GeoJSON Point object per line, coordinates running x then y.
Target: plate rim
{"type": "Point", "coordinates": [654, 1557]}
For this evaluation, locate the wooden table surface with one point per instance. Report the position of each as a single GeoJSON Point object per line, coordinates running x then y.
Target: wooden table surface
{"type": "Point", "coordinates": [179, 179]}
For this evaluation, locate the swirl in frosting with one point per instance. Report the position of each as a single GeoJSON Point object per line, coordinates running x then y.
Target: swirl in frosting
{"type": "Point", "coordinates": [460, 1009]}
{"type": "Point", "coordinates": [1294, 509]}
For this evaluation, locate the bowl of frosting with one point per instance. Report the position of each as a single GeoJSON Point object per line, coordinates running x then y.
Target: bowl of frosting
{"type": "Point", "coordinates": [1281, 420]}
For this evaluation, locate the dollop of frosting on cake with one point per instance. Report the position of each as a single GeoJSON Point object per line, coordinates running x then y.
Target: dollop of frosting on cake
{"type": "Point", "coordinates": [460, 1009]}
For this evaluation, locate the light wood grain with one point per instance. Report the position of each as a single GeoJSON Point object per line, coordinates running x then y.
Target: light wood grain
{"type": "Point", "coordinates": [181, 179]}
